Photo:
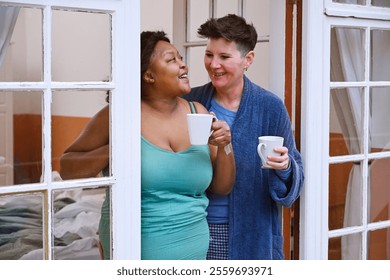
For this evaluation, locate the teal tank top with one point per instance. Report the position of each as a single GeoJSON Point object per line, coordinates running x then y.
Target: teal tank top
{"type": "Point", "coordinates": [174, 202]}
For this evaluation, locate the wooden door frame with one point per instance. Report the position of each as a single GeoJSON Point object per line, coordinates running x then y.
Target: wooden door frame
{"type": "Point", "coordinates": [293, 23]}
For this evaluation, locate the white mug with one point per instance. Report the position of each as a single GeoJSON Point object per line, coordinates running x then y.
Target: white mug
{"type": "Point", "coordinates": [199, 128]}
{"type": "Point", "coordinates": [266, 147]}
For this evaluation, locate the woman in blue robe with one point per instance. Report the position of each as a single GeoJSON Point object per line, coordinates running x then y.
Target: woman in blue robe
{"type": "Point", "coordinates": [246, 224]}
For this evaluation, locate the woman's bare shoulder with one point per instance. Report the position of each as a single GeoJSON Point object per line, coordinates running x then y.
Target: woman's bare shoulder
{"type": "Point", "coordinates": [199, 107]}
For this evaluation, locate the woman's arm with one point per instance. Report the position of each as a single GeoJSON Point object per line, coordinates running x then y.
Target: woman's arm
{"type": "Point", "coordinates": [89, 153]}
{"type": "Point", "coordinates": [224, 167]}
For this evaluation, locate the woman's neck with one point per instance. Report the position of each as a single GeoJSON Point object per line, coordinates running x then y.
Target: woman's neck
{"type": "Point", "coordinates": [162, 106]}
{"type": "Point", "coordinates": [229, 99]}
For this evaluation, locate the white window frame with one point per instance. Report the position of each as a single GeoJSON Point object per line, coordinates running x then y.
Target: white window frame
{"type": "Point", "coordinates": [357, 11]}
{"type": "Point", "coordinates": [125, 120]}
{"type": "Point", "coordinates": [314, 135]}
{"type": "Point", "coordinates": [126, 138]}
{"type": "Point", "coordinates": [366, 85]}
{"type": "Point", "coordinates": [320, 16]}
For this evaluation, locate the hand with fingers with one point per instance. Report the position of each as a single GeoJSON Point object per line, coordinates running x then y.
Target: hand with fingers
{"type": "Point", "coordinates": [279, 162]}
{"type": "Point", "coordinates": [221, 135]}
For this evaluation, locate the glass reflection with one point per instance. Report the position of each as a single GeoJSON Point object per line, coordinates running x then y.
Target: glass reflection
{"type": "Point", "coordinates": [347, 54]}
{"type": "Point", "coordinates": [379, 188]}
{"type": "Point", "coordinates": [334, 248]}
{"type": "Point", "coordinates": [379, 125]}
{"type": "Point", "coordinates": [377, 3]}
{"type": "Point", "coordinates": [198, 13]}
{"type": "Point", "coordinates": [81, 46]}
{"type": "Point", "coordinates": [223, 7]}
{"type": "Point", "coordinates": [21, 137]}
{"type": "Point", "coordinates": [197, 74]}
{"type": "Point", "coordinates": [346, 121]}
{"type": "Point", "coordinates": [80, 121]}
{"type": "Point", "coordinates": [6, 139]}
{"type": "Point", "coordinates": [355, 2]}
{"type": "Point", "coordinates": [381, 3]}
{"type": "Point", "coordinates": [258, 13]}
{"type": "Point", "coordinates": [259, 70]}
{"type": "Point", "coordinates": [351, 247]}
{"type": "Point", "coordinates": [338, 183]}
{"type": "Point", "coordinates": [379, 244]}
{"type": "Point", "coordinates": [21, 47]}
{"type": "Point", "coordinates": [380, 55]}
{"type": "Point", "coordinates": [346, 247]}
{"type": "Point", "coordinates": [21, 226]}
{"type": "Point", "coordinates": [76, 223]}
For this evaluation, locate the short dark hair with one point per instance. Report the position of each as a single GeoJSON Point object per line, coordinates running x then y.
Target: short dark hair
{"type": "Point", "coordinates": [149, 40]}
{"type": "Point", "coordinates": [232, 28]}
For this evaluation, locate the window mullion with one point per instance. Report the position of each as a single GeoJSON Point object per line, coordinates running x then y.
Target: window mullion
{"type": "Point", "coordinates": [367, 143]}
{"type": "Point", "coordinates": [46, 127]}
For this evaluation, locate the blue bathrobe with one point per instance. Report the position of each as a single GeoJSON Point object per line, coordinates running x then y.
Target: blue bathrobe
{"type": "Point", "coordinates": [254, 221]}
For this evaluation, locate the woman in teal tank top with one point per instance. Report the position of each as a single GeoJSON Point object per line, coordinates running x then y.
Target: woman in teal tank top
{"type": "Point", "coordinates": [174, 174]}
{"type": "Point", "coordinates": [173, 205]}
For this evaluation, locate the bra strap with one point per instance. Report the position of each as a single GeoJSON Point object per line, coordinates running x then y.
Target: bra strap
{"type": "Point", "coordinates": [193, 109]}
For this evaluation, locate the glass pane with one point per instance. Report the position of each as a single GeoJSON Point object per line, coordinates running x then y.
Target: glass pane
{"type": "Point", "coordinates": [355, 2]}
{"type": "Point", "coordinates": [21, 227]}
{"type": "Point", "coordinates": [6, 139]}
{"type": "Point", "coordinates": [379, 124]}
{"type": "Point", "coordinates": [75, 114]}
{"type": "Point", "coordinates": [198, 12]}
{"type": "Point", "coordinates": [351, 247]}
{"type": "Point", "coordinates": [346, 247]}
{"type": "Point", "coordinates": [346, 121]}
{"type": "Point", "coordinates": [347, 54]}
{"type": "Point", "coordinates": [379, 244]}
{"type": "Point", "coordinates": [105, 228]}
{"type": "Point", "coordinates": [334, 248]}
{"type": "Point", "coordinates": [338, 184]}
{"type": "Point", "coordinates": [380, 55]}
{"type": "Point", "coordinates": [20, 137]}
{"type": "Point", "coordinates": [380, 3]}
{"type": "Point", "coordinates": [224, 7]}
{"type": "Point", "coordinates": [258, 72]}
{"type": "Point", "coordinates": [197, 73]}
{"type": "Point", "coordinates": [257, 12]}
{"type": "Point", "coordinates": [76, 221]}
{"type": "Point", "coordinates": [379, 187]}
{"type": "Point", "coordinates": [81, 46]}
{"type": "Point", "coordinates": [21, 59]}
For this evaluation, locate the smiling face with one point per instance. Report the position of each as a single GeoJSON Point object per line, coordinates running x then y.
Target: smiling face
{"type": "Point", "coordinates": [224, 64]}
{"type": "Point", "coordinates": [167, 70]}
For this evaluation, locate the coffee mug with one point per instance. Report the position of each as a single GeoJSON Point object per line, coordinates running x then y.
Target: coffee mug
{"type": "Point", "coordinates": [199, 128]}
{"type": "Point", "coordinates": [266, 147]}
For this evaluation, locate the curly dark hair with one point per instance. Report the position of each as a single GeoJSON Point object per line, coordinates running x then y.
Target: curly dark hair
{"type": "Point", "coordinates": [149, 40]}
{"type": "Point", "coordinates": [232, 28]}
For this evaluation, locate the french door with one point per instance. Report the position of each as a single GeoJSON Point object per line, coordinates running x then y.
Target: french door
{"type": "Point", "coordinates": [61, 61]}
{"type": "Point", "coordinates": [346, 96]}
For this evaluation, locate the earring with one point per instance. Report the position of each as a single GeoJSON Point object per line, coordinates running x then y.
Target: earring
{"type": "Point", "coordinates": [246, 68]}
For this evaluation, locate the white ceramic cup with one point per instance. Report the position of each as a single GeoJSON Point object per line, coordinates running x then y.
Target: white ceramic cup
{"type": "Point", "coordinates": [199, 128]}
{"type": "Point", "coordinates": [266, 147]}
